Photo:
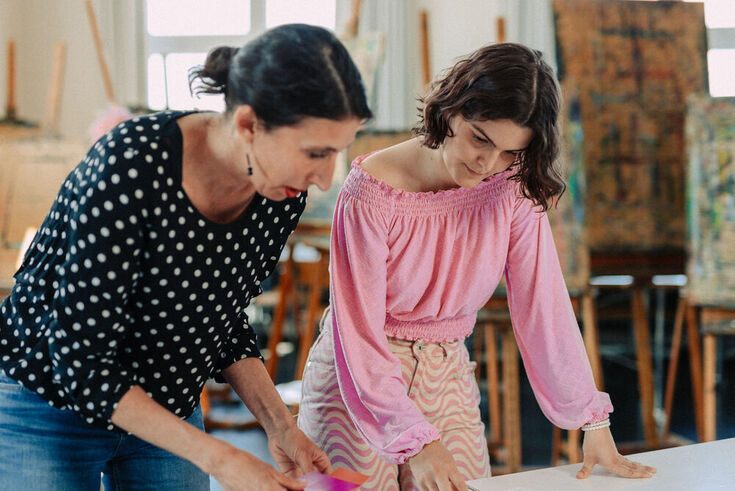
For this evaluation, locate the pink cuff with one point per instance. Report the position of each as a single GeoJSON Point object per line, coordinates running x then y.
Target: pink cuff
{"type": "Point", "coordinates": [409, 443]}
{"type": "Point", "coordinates": [595, 418]}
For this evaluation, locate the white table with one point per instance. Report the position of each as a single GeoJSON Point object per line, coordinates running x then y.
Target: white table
{"type": "Point", "coordinates": [701, 466]}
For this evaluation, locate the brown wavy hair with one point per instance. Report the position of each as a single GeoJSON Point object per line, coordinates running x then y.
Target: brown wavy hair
{"type": "Point", "coordinates": [503, 81]}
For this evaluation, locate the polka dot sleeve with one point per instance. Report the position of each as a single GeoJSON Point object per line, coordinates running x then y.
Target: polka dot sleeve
{"type": "Point", "coordinates": [240, 345]}
{"type": "Point", "coordinates": [102, 207]}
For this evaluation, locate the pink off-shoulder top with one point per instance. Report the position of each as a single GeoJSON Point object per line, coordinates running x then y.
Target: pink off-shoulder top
{"type": "Point", "coordinates": [420, 266]}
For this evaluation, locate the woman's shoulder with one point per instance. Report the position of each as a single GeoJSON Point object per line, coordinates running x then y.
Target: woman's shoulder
{"type": "Point", "coordinates": [392, 165]}
{"type": "Point", "coordinates": [140, 146]}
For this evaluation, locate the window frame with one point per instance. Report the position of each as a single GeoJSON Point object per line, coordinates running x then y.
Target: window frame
{"type": "Point", "coordinates": [166, 45]}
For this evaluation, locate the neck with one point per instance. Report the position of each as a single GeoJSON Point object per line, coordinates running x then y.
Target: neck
{"type": "Point", "coordinates": [435, 170]}
{"type": "Point", "coordinates": [218, 188]}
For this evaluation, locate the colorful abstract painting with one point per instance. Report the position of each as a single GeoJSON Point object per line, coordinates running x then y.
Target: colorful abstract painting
{"type": "Point", "coordinates": [567, 217]}
{"type": "Point", "coordinates": [710, 144]}
{"type": "Point", "coordinates": [633, 64]}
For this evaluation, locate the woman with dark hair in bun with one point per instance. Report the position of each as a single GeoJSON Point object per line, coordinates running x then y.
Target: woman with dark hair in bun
{"type": "Point", "coordinates": [132, 293]}
{"type": "Point", "coordinates": [423, 232]}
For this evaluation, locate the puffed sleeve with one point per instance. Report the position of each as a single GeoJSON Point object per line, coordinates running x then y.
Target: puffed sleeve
{"type": "Point", "coordinates": [368, 373]}
{"type": "Point", "coordinates": [242, 344]}
{"type": "Point", "coordinates": [103, 203]}
{"type": "Point", "coordinates": [545, 325]}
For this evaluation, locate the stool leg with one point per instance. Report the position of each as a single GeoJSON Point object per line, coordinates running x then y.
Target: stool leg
{"type": "Point", "coordinates": [204, 402]}
{"type": "Point", "coordinates": [556, 444]}
{"type": "Point", "coordinates": [306, 338]}
{"type": "Point", "coordinates": [673, 365]}
{"type": "Point", "coordinates": [709, 402]}
{"type": "Point", "coordinates": [573, 446]}
{"type": "Point", "coordinates": [645, 375]}
{"type": "Point", "coordinates": [569, 447]}
{"type": "Point", "coordinates": [477, 351]}
{"type": "Point", "coordinates": [491, 373]}
{"type": "Point", "coordinates": [695, 364]}
{"type": "Point", "coordinates": [279, 315]}
{"type": "Point", "coordinates": [591, 338]}
{"type": "Point", "coordinates": [511, 399]}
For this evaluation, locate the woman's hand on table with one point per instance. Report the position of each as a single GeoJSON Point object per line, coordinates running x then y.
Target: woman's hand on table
{"type": "Point", "coordinates": [296, 455]}
{"type": "Point", "coordinates": [434, 468]}
{"type": "Point", "coordinates": [599, 449]}
{"type": "Point", "coordinates": [237, 470]}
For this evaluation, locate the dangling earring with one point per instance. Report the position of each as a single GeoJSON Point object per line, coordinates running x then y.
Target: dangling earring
{"type": "Point", "coordinates": [250, 167]}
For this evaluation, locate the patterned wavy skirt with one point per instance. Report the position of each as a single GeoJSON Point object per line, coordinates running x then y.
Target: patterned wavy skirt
{"type": "Point", "coordinates": [439, 379]}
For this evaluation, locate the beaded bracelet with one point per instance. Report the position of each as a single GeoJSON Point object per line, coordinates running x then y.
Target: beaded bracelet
{"type": "Point", "coordinates": [597, 425]}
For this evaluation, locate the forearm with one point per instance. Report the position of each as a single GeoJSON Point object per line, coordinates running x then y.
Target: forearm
{"type": "Point", "coordinates": [149, 421]}
{"type": "Point", "coordinates": [249, 378]}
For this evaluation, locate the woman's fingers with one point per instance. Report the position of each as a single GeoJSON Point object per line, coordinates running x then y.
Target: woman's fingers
{"type": "Point", "coordinates": [639, 468]}
{"type": "Point", "coordinates": [458, 482]}
{"type": "Point", "coordinates": [627, 468]}
{"type": "Point", "coordinates": [622, 467]}
{"type": "Point", "coordinates": [323, 464]}
{"type": "Point", "coordinates": [289, 482]}
{"type": "Point", "coordinates": [585, 471]}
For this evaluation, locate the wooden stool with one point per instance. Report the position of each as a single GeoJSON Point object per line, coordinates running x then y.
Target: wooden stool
{"type": "Point", "coordinates": [312, 279]}
{"type": "Point", "coordinates": [642, 337]}
{"type": "Point", "coordinates": [315, 276]}
{"type": "Point", "coordinates": [685, 312]}
{"type": "Point", "coordinates": [715, 322]}
{"type": "Point", "coordinates": [504, 438]}
{"type": "Point", "coordinates": [504, 429]}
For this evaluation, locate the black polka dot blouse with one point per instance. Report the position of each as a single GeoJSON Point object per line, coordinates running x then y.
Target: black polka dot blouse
{"type": "Point", "coordinates": [126, 283]}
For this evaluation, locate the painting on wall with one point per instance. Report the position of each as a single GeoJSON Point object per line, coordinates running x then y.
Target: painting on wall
{"type": "Point", "coordinates": [634, 64]}
{"type": "Point", "coordinates": [710, 144]}
{"type": "Point", "coordinates": [567, 217]}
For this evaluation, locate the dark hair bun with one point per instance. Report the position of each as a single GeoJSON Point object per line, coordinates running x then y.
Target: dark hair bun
{"type": "Point", "coordinates": [213, 74]}
{"type": "Point", "coordinates": [287, 73]}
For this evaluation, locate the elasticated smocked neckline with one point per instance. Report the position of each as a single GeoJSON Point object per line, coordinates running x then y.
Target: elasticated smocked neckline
{"type": "Point", "coordinates": [371, 190]}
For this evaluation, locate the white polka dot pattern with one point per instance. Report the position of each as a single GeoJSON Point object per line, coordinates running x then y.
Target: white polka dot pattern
{"type": "Point", "coordinates": [127, 284]}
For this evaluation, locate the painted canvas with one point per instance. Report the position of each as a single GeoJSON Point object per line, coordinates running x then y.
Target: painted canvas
{"type": "Point", "coordinates": [710, 144]}
{"type": "Point", "coordinates": [634, 64]}
{"type": "Point", "coordinates": [567, 217]}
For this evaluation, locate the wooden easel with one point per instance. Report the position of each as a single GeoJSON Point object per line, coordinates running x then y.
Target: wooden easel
{"type": "Point", "coordinates": [703, 362]}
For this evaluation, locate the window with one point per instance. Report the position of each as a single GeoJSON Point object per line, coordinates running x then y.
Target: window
{"type": "Point", "coordinates": [719, 15]}
{"type": "Point", "coordinates": [191, 18]}
{"type": "Point", "coordinates": [180, 33]}
{"type": "Point", "coordinates": [721, 63]}
{"type": "Point", "coordinates": [317, 12]}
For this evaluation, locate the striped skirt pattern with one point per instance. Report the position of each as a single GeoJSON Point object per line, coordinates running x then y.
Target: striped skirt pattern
{"type": "Point", "coordinates": [439, 378]}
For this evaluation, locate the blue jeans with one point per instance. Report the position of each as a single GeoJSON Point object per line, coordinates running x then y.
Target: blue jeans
{"type": "Point", "coordinates": [44, 448]}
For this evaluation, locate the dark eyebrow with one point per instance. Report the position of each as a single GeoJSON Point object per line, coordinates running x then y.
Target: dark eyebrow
{"type": "Point", "coordinates": [321, 149]}
{"type": "Point", "coordinates": [491, 140]}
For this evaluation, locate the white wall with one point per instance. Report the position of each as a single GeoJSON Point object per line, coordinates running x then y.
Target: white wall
{"type": "Point", "coordinates": [459, 27]}
{"type": "Point", "coordinates": [36, 26]}
{"type": "Point", "coordinates": [456, 27]}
